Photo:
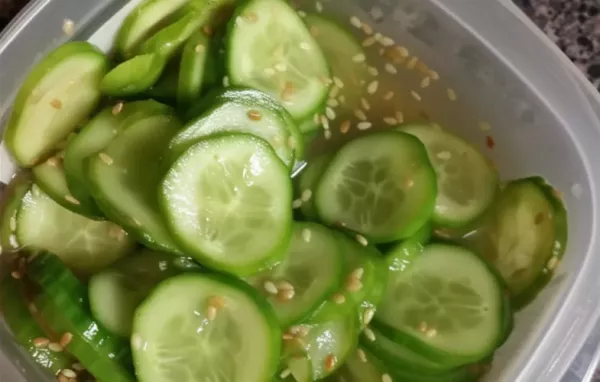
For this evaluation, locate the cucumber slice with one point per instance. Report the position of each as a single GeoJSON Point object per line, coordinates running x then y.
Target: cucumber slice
{"type": "Point", "coordinates": [312, 269]}
{"type": "Point", "coordinates": [244, 111]}
{"type": "Point", "coordinates": [524, 236]}
{"type": "Point", "coordinates": [311, 123]}
{"type": "Point", "coordinates": [342, 50]}
{"type": "Point", "coordinates": [133, 76]}
{"type": "Point", "coordinates": [144, 19]}
{"type": "Point", "coordinates": [296, 368]}
{"type": "Point", "coordinates": [380, 185]}
{"type": "Point", "coordinates": [467, 183]}
{"type": "Point", "coordinates": [58, 93]}
{"type": "Point", "coordinates": [195, 58]}
{"type": "Point", "coordinates": [205, 328]}
{"type": "Point", "coordinates": [116, 292]}
{"type": "Point", "coordinates": [25, 328]}
{"type": "Point", "coordinates": [269, 48]}
{"type": "Point", "coordinates": [307, 182]}
{"type": "Point", "coordinates": [13, 194]}
{"type": "Point", "coordinates": [401, 256]}
{"type": "Point", "coordinates": [447, 306]}
{"type": "Point", "coordinates": [165, 89]}
{"type": "Point", "coordinates": [63, 305]}
{"type": "Point", "coordinates": [85, 245]}
{"type": "Point", "coordinates": [123, 178]}
{"type": "Point", "coordinates": [227, 202]}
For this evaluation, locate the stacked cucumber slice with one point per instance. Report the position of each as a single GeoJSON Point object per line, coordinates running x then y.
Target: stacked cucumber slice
{"type": "Point", "coordinates": [168, 241]}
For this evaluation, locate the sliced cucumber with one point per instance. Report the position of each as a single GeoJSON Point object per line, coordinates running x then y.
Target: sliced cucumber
{"type": "Point", "coordinates": [346, 57]}
{"type": "Point", "coordinates": [123, 178]}
{"type": "Point", "coordinates": [116, 292]}
{"type": "Point", "coordinates": [311, 123]}
{"type": "Point", "coordinates": [205, 328]}
{"type": "Point", "coordinates": [270, 49]}
{"type": "Point", "coordinates": [380, 185]}
{"type": "Point", "coordinates": [306, 184]}
{"type": "Point", "coordinates": [401, 256]}
{"type": "Point", "coordinates": [244, 111]}
{"type": "Point", "coordinates": [85, 245]}
{"type": "Point", "coordinates": [467, 183]}
{"type": "Point", "coordinates": [140, 23]}
{"type": "Point", "coordinates": [25, 329]}
{"type": "Point", "coordinates": [195, 57]}
{"type": "Point", "coordinates": [227, 202]}
{"type": "Point", "coordinates": [448, 306]}
{"type": "Point", "coordinates": [58, 93]}
{"type": "Point", "coordinates": [311, 271]}
{"type": "Point", "coordinates": [13, 194]}
{"type": "Point", "coordinates": [296, 368]}
{"type": "Point", "coordinates": [165, 89]}
{"type": "Point", "coordinates": [133, 76]}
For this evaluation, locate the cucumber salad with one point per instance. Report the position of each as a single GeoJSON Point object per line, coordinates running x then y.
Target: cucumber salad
{"type": "Point", "coordinates": [218, 199]}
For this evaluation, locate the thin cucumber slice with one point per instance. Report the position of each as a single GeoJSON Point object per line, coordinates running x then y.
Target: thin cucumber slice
{"type": "Point", "coordinates": [133, 76]}
{"type": "Point", "coordinates": [85, 245]}
{"type": "Point", "coordinates": [296, 368]}
{"type": "Point", "coordinates": [269, 48]}
{"type": "Point", "coordinates": [467, 183]}
{"type": "Point", "coordinates": [401, 256]}
{"type": "Point", "coordinates": [116, 292]}
{"type": "Point", "coordinates": [25, 329]}
{"type": "Point", "coordinates": [165, 89]}
{"type": "Point", "coordinates": [58, 93]}
{"type": "Point", "coordinates": [197, 327]}
{"type": "Point", "coordinates": [312, 269]}
{"type": "Point", "coordinates": [311, 123]}
{"type": "Point", "coordinates": [227, 203]}
{"type": "Point", "coordinates": [195, 58]}
{"type": "Point", "coordinates": [244, 111]}
{"type": "Point", "coordinates": [13, 194]}
{"type": "Point", "coordinates": [524, 236]}
{"type": "Point", "coordinates": [306, 184]}
{"type": "Point", "coordinates": [346, 58]}
{"type": "Point", "coordinates": [123, 178]}
{"type": "Point", "coordinates": [50, 177]}
{"type": "Point", "coordinates": [380, 185]}
{"type": "Point", "coordinates": [447, 306]}
{"type": "Point", "coordinates": [63, 305]}
{"type": "Point", "coordinates": [144, 19]}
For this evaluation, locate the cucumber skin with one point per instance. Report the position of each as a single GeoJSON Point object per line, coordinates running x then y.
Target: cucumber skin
{"type": "Point", "coordinates": [261, 302]}
{"type": "Point", "coordinates": [117, 82]}
{"type": "Point", "coordinates": [16, 189]}
{"type": "Point", "coordinates": [37, 73]}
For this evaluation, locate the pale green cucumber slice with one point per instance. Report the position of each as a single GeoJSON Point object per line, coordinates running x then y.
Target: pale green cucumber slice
{"type": "Point", "coordinates": [381, 185]}
{"type": "Point", "coordinates": [467, 183]}
{"type": "Point", "coordinates": [58, 93]}
{"type": "Point", "coordinates": [12, 196]}
{"type": "Point", "coordinates": [133, 76]}
{"type": "Point", "coordinates": [306, 184]}
{"type": "Point", "coordinates": [124, 177]}
{"type": "Point", "coordinates": [198, 327]}
{"type": "Point", "coordinates": [270, 49]}
{"type": "Point", "coordinates": [195, 57]}
{"type": "Point", "coordinates": [85, 245]}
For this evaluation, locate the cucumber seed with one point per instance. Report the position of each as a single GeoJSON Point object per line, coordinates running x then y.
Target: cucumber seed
{"type": "Point", "coordinates": [327, 134]}
{"type": "Point", "coordinates": [390, 68]}
{"type": "Point", "coordinates": [211, 312]}
{"type": "Point", "coordinates": [77, 367]}
{"type": "Point", "coordinates": [434, 75]}
{"type": "Point", "coordinates": [338, 82]}
{"type": "Point", "coordinates": [357, 273]}
{"type": "Point", "coordinates": [283, 285]}
{"type": "Point", "coordinates": [412, 63]}
{"type": "Point", "coordinates": [200, 48]}
{"type": "Point", "coordinates": [353, 285]}
{"type": "Point", "coordinates": [430, 333]}
{"type": "Point", "coordinates": [358, 58]}
{"type": "Point", "coordinates": [324, 122]}
{"type": "Point", "coordinates": [400, 116]}
{"type": "Point", "coordinates": [372, 88]}
{"type": "Point", "coordinates": [330, 113]}
{"type": "Point", "coordinates": [365, 104]}
{"type": "Point", "coordinates": [369, 41]}
{"type": "Point", "coordinates": [552, 263]}
{"type": "Point", "coordinates": [425, 82]}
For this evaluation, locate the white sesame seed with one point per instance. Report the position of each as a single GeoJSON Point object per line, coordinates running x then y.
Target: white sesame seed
{"type": "Point", "coordinates": [77, 367]}
{"type": "Point", "coordinates": [484, 126]}
{"type": "Point", "coordinates": [284, 285]}
{"type": "Point", "coordinates": [304, 45]}
{"type": "Point", "coordinates": [12, 239]}
{"type": "Point", "coordinates": [68, 373]}
{"type": "Point", "coordinates": [372, 87]}
{"type": "Point", "coordinates": [353, 284]}
{"type": "Point", "coordinates": [423, 326]}
{"type": "Point", "coordinates": [65, 339]}
{"type": "Point", "coordinates": [306, 235]}
{"type": "Point", "coordinates": [342, 99]}
{"type": "Point", "coordinates": [335, 90]}
{"type": "Point", "coordinates": [369, 41]}
{"type": "Point", "coordinates": [269, 71]}
{"type": "Point", "coordinates": [338, 298]}
{"type": "Point", "coordinates": [360, 114]}
{"type": "Point", "coordinates": [367, 28]}
{"type": "Point", "coordinates": [364, 125]}
{"type": "Point", "coordinates": [324, 122]}
{"type": "Point", "coordinates": [360, 238]}
{"type": "Point", "coordinates": [345, 127]}
{"type": "Point", "coordinates": [280, 67]}
{"type": "Point", "coordinates": [301, 13]}
{"type": "Point", "coordinates": [390, 68]}
{"type": "Point", "coordinates": [369, 334]}
{"type": "Point", "coordinates": [319, 6]}
{"type": "Point", "coordinates": [330, 113]}
{"type": "Point", "coordinates": [288, 336]}
{"type": "Point", "coordinates": [552, 263]}
{"type": "Point", "coordinates": [412, 63]}
{"type": "Point", "coordinates": [200, 48]}
{"type": "Point", "coordinates": [368, 316]}
{"type": "Point", "coordinates": [270, 287]}
{"type": "Point", "coordinates": [106, 159]}
{"type": "Point", "coordinates": [40, 342]}
{"type": "Point", "coordinates": [217, 301]}
{"type": "Point", "coordinates": [451, 95]}
{"type": "Point", "coordinates": [359, 58]}
{"type": "Point", "coordinates": [357, 273]}
{"type": "Point", "coordinates": [386, 41]}
{"type": "Point", "coordinates": [415, 95]}
{"type": "Point", "coordinates": [388, 95]}
{"type": "Point", "coordinates": [16, 275]}
{"type": "Point", "coordinates": [72, 200]}
{"type": "Point", "coordinates": [306, 195]}
{"type": "Point", "coordinates": [400, 116]}
{"type": "Point", "coordinates": [390, 121]}
{"type": "Point", "coordinates": [338, 82]}
{"type": "Point", "coordinates": [226, 81]}
{"type": "Point", "coordinates": [386, 378]}
{"type": "Point", "coordinates": [211, 313]}
{"type": "Point", "coordinates": [332, 102]}
{"type": "Point", "coordinates": [444, 155]}
{"type": "Point", "coordinates": [54, 347]}
{"type": "Point", "coordinates": [378, 36]}
{"type": "Point", "coordinates": [68, 27]}
{"type": "Point", "coordinates": [117, 108]}
{"type": "Point", "coordinates": [286, 373]}
{"type": "Point", "coordinates": [373, 71]}
{"type": "Point", "coordinates": [425, 82]}
{"type": "Point", "coordinates": [431, 333]}
{"type": "Point", "coordinates": [365, 104]}
{"type": "Point", "coordinates": [434, 75]}
{"type": "Point", "coordinates": [355, 21]}
{"type": "Point", "coordinates": [327, 134]}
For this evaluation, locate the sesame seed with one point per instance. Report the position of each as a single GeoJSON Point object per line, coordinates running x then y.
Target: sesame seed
{"type": "Point", "coordinates": [269, 72]}
{"type": "Point", "coordinates": [330, 113]}
{"type": "Point", "coordinates": [303, 330]}
{"type": "Point", "coordinates": [434, 75]}
{"type": "Point", "coordinates": [386, 41]}
{"type": "Point", "coordinates": [306, 235]}
{"type": "Point", "coordinates": [62, 378]}
{"type": "Point", "coordinates": [286, 295]}
{"type": "Point", "coordinates": [217, 301]}
{"type": "Point", "coordinates": [423, 326]}
{"type": "Point", "coordinates": [390, 68]}
{"type": "Point", "coordinates": [284, 374]}
{"type": "Point", "coordinates": [373, 71]}
{"type": "Point", "coordinates": [301, 13]}
{"type": "Point", "coordinates": [324, 122]}
{"type": "Point", "coordinates": [386, 378]}
{"type": "Point", "coordinates": [353, 285]}
{"type": "Point", "coordinates": [361, 355]}
{"type": "Point", "coordinates": [226, 81]}
{"type": "Point", "coordinates": [372, 87]}
{"type": "Point", "coordinates": [430, 333]}
{"type": "Point", "coordinates": [369, 41]}
{"type": "Point", "coordinates": [367, 28]}
{"type": "Point", "coordinates": [399, 116]}
{"type": "Point", "coordinates": [254, 115]}
{"type": "Point", "coordinates": [552, 263]}
{"type": "Point", "coordinates": [117, 108]}
{"type": "Point", "coordinates": [409, 183]}
{"type": "Point", "coordinates": [297, 204]}
{"type": "Point", "coordinates": [40, 342]}
{"type": "Point", "coordinates": [334, 91]}
{"type": "Point", "coordinates": [368, 316]}
{"type": "Point", "coordinates": [330, 362]}
{"type": "Point", "coordinates": [359, 58]}
{"type": "Point", "coordinates": [360, 114]}
{"type": "Point", "coordinates": [361, 239]}
{"type": "Point", "coordinates": [338, 298]}
{"type": "Point", "coordinates": [211, 312]}
{"type": "Point", "coordinates": [342, 99]}
{"type": "Point", "coordinates": [338, 82]}
{"type": "Point", "coordinates": [54, 347]}
{"type": "Point", "coordinates": [55, 103]}
{"type": "Point", "coordinates": [425, 82]}
{"type": "Point", "coordinates": [13, 241]}
{"type": "Point", "coordinates": [68, 27]}
{"type": "Point", "coordinates": [484, 126]}
{"type": "Point", "coordinates": [304, 45]}
{"type": "Point", "coordinates": [451, 95]}
{"type": "Point", "coordinates": [65, 339]}
{"type": "Point", "coordinates": [288, 91]}
{"type": "Point", "coordinates": [16, 275]}
{"type": "Point", "coordinates": [306, 195]}
{"type": "Point", "coordinates": [365, 104]}
{"type": "Point", "coordinates": [77, 367]}
{"type": "Point", "coordinates": [319, 6]}
{"type": "Point", "coordinates": [355, 21]}
{"type": "Point", "coordinates": [345, 126]}
{"type": "Point", "coordinates": [357, 273]}
{"type": "Point", "coordinates": [288, 337]}
{"type": "Point", "coordinates": [415, 95]}
{"type": "Point", "coordinates": [364, 125]}
{"type": "Point", "coordinates": [369, 334]}
{"type": "Point", "coordinates": [412, 63]}
{"type": "Point", "coordinates": [251, 17]}
{"type": "Point", "coordinates": [390, 121]}
{"type": "Point", "coordinates": [378, 36]}
{"type": "Point", "coordinates": [68, 373]}
{"type": "Point", "coordinates": [327, 134]}
{"type": "Point", "coordinates": [106, 159]}
{"type": "Point", "coordinates": [72, 200]}
{"type": "Point", "coordinates": [284, 285]}
{"type": "Point", "coordinates": [280, 67]}
{"type": "Point", "coordinates": [444, 155]}
{"type": "Point", "coordinates": [332, 102]}
{"type": "Point", "coordinates": [270, 287]}
{"type": "Point", "coordinates": [388, 95]}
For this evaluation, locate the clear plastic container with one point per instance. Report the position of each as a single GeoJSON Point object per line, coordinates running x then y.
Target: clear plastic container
{"type": "Point", "coordinates": [544, 117]}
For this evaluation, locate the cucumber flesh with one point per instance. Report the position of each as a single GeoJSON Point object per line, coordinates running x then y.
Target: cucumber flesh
{"type": "Point", "coordinates": [124, 176]}
{"type": "Point", "coordinates": [58, 93]}
{"type": "Point", "coordinates": [63, 304]}
{"type": "Point", "coordinates": [84, 245]}
{"type": "Point", "coordinates": [307, 182]}
{"type": "Point", "coordinates": [133, 76]}
{"type": "Point", "coordinates": [227, 203]}
{"type": "Point", "coordinates": [13, 194]}
{"type": "Point", "coordinates": [312, 267]}
{"type": "Point", "coordinates": [177, 338]}
{"type": "Point", "coordinates": [467, 183]}
{"type": "Point", "coordinates": [380, 185]}
{"type": "Point", "coordinates": [194, 58]}
{"type": "Point", "coordinates": [270, 49]}
{"type": "Point", "coordinates": [244, 111]}
{"type": "Point", "coordinates": [296, 368]}
{"type": "Point", "coordinates": [447, 306]}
